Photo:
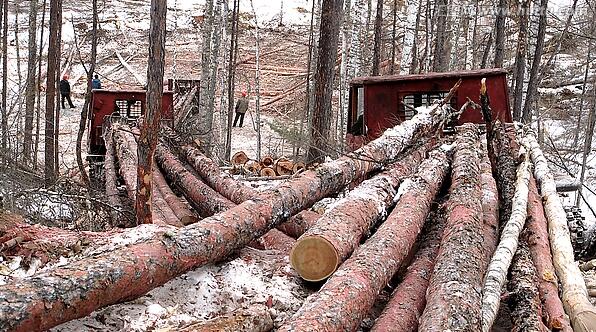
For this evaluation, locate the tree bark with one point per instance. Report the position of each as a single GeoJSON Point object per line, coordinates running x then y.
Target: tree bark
{"type": "Point", "coordinates": [231, 77]}
{"type": "Point", "coordinates": [44, 302]}
{"type": "Point", "coordinates": [31, 83]}
{"type": "Point", "coordinates": [553, 314]}
{"type": "Point", "coordinates": [440, 57]}
{"type": "Point", "coordinates": [323, 247]}
{"type": "Point", "coordinates": [575, 294]}
{"type": "Point", "coordinates": [350, 293]}
{"type": "Point", "coordinates": [299, 223]}
{"type": "Point", "coordinates": [275, 240]}
{"type": "Point", "coordinates": [454, 294]}
{"type": "Point", "coordinates": [408, 300]}
{"type": "Point", "coordinates": [38, 84]}
{"type": "Point", "coordinates": [524, 300]}
{"type": "Point", "coordinates": [207, 200]}
{"type": "Point", "coordinates": [377, 40]}
{"type": "Point", "coordinates": [520, 60]}
{"type": "Point", "coordinates": [111, 182]}
{"type": "Point", "coordinates": [533, 83]}
{"type": "Point", "coordinates": [206, 78]}
{"type": "Point", "coordinates": [150, 126]}
{"type": "Point", "coordinates": [51, 93]}
{"type": "Point", "coordinates": [87, 105]}
{"type": "Point", "coordinates": [490, 208]}
{"type": "Point", "coordinates": [496, 275]}
{"type": "Point", "coordinates": [183, 213]}
{"type": "Point", "coordinates": [324, 77]}
{"type": "Point", "coordinates": [502, 9]}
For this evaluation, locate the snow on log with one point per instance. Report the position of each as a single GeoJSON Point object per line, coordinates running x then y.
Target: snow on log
{"type": "Point", "coordinates": [524, 300]}
{"type": "Point", "coordinates": [207, 200]}
{"type": "Point", "coordinates": [574, 292]}
{"type": "Point", "coordinates": [319, 251]}
{"type": "Point", "coordinates": [183, 213]}
{"type": "Point", "coordinates": [496, 274]}
{"type": "Point", "coordinates": [408, 300]}
{"type": "Point", "coordinates": [351, 292]}
{"type": "Point", "coordinates": [111, 187]}
{"type": "Point", "coordinates": [255, 318]}
{"type": "Point", "coordinates": [553, 313]}
{"type": "Point", "coordinates": [455, 290]}
{"type": "Point", "coordinates": [68, 292]}
{"type": "Point", "coordinates": [223, 183]}
{"type": "Point", "coordinates": [299, 223]}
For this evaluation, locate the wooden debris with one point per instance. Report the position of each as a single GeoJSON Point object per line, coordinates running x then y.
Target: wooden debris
{"type": "Point", "coordinates": [255, 318]}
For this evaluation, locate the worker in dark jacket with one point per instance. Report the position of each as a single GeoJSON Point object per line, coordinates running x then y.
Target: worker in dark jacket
{"type": "Point", "coordinates": [241, 107]}
{"type": "Point", "coordinates": [95, 83]}
{"type": "Point", "coordinates": [65, 91]}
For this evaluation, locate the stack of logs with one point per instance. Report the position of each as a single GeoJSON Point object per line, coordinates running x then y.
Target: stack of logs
{"type": "Point", "coordinates": [456, 222]}
{"type": "Point", "coordinates": [267, 167]}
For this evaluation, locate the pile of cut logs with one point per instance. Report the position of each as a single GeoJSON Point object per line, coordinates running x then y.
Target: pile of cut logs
{"type": "Point", "coordinates": [267, 167]}
{"type": "Point", "coordinates": [456, 220]}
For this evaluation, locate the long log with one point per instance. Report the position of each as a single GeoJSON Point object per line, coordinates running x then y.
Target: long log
{"type": "Point", "coordinates": [323, 247]}
{"type": "Point", "coordinates": [496, 275]}
{"type": "Point", "coordinates": [408, 300]}
{"type": "Point", "coordinates": [524, 299]}
{"type": "Point", "coordinates": [111, 187]}
{"type": "Point", "coordinates": [350, 293]}
{"type": "Point", "coordinates": [575, 294]}
{"type": "Point", "coordinates": [182, 212]}
{"type": "Point", "coordinates": [490, 208]}
{"type": "Point", "coordinates": [207, 200]}
{"type": "Point", "coordinates": [299, 223]}
{"type": "Point", "coordinates": [554, 314]}
{"type": "Point", "coordinates": [454, 294]}
{"type": "Point", "coordinates": [72, 291]}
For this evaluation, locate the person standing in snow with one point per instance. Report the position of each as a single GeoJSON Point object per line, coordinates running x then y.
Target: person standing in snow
{"type": "Point", "coordinates": [65, 91]}
{"type": "Point", "coordinates": [95, 83]}
{"type": "Point", "coordinates": [241, 108]}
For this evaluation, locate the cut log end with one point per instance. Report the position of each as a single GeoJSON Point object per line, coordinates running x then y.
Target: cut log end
{"type": "Point", "coordinates": [585, 320]}
{"type": "Point", "coordinates": [314, 258]}
{"type": "Point", "coordinates": [267, 171]}
{"type": "Point", "coordinates": [283, 166]}
{"type": "Point", "coordinates": [252, 166]}
{"type": "Point", "coordinates": [239, 158]}
{"type": "Point", "coordinates": [267, 161]}
{"type": "Point", "coordinates": [298, 167]}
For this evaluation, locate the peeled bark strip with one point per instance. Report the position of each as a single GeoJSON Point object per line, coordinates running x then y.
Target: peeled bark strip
{"type": "Point", "coordinates": [256, 318]}
{"type": "Point", "coordinates": [524, 300]}
{"type": "Point", "coordinates": [72, 291]}
{"type": "Point", "coordinates": [408, 300]}
{"type": "Point", "coordinates": [224, 184]}
{"type": "Point", "coordinates": [350, 293]}
{"type": "Point", "coordinates": [112, 191]}
{"type": "Point", "coordinates": [575, 294]}
{"type": "Point", "coordinates": [496, 274]}
{"type": "Point", "coordinates": [554, 314]}
{"type": "Point", "coordinates": [207, 200]}
{"type": "Point", "coordinates": [320, 250]}
{"type": "Point", "coordinates": [299, 223]}
{"type": "Point", "coordinates": [454, 294]}
{"type": "Point", "coordinates": [183, 213]}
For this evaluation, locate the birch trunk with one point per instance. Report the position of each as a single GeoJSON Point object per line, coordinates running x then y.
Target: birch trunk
{"type": "Point", "coordinates": [574, 292]}
{"type": "Point", "coordinates": [33, 305]}
{"type": "Point", "coordinates": [496, 274]}
{"type": "Point", "coordinates": [407, 54]}
{"type": "Point", "coordinates": [350, 293]}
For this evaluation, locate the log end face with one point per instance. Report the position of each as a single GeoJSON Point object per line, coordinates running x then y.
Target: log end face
{"type": "Point", "coordinates": [314, 258]}
{"type": "Point", "coordinates": [585, 320]}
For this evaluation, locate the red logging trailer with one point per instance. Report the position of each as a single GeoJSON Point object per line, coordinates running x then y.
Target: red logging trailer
{"type": "Point", "coordinates": [126, 105]}
{"type": "Point", "coordinates": [381, 102]}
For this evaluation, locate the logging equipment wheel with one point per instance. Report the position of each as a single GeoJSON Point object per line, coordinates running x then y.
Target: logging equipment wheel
{"type": "Point", "coordinates": [582, 237]}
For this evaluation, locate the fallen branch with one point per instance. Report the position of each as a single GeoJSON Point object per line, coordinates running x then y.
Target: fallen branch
{"type": "Point", "coordinates": [134, 73]}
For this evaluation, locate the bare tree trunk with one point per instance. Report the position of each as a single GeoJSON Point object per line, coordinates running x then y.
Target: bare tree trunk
{"type": "Point", "coordinates": [587, 142]}
{"type": "Point", "coordinates": [219, 20]}
{"type": "Point", "coordinates": [4, 123]}
{"type": "Point", "coordinates": [257, 83]}
{"type": "Point", "coordinates": [329, 36]}
{"type": "Point", "coordinates": [533, 83]}
{"type": "Point", "coordinates": [408, 53]}
{"type": "Point", "coordinates": [393, 31]}
{"type": "Point", "coordinates": [520, 60]}
{"type": "Point", "coordinates": [150, 125]}
{"type": "Point", "coordinates": [38, 85]}
{"type": "Point", "coordinates": [31, 83]}
{"type": "Point", "coordinates": [377, 41]}
{"type": "Point", "coordinates": [57, 109]}
{"type": "Point", "coordinates": [440, 57]}
{"type": "Point", "coordinates": [51, 97]}
{"type": "Point", "coordinates": [231, 76]}
{"type": "Point", "coordinates": [502, 9]}
{"type": "Point", "coordinates": [582, 99]}
{"type": "Point", "coordinates": [206, 78]}
{"type": "Point", "coordinates": [87, 105]}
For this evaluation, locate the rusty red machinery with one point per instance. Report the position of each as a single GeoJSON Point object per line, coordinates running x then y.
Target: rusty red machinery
{"type": "Point", "coordinates": [381, 102]}
{"type": "Point", "coordinates": [124, 105]}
